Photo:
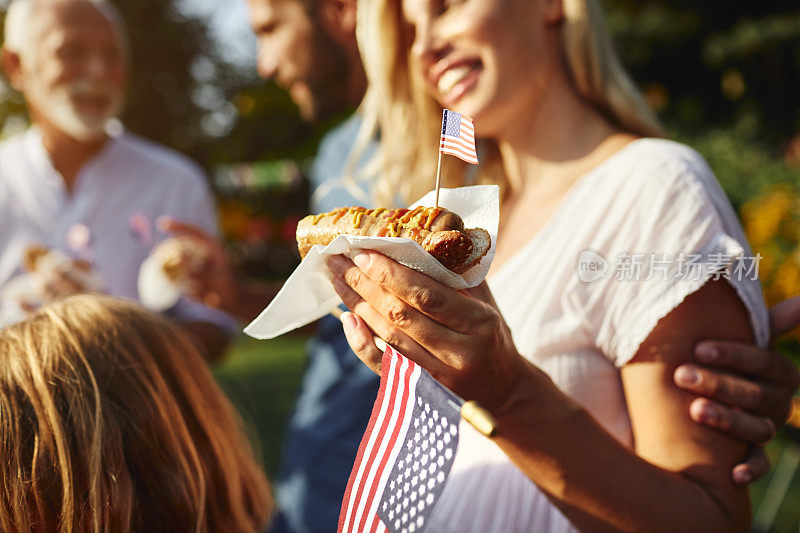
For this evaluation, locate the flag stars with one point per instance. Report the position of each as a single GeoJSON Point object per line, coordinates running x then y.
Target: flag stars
{"type": "Point", "coordinates": [420, 462]}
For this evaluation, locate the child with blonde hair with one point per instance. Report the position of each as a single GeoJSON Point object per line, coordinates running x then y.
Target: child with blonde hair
{"type": "Point", "coordinates": [110, 421]}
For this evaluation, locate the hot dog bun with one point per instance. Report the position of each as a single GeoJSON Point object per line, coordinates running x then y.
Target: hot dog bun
{"type": "Point", "coordinates": [439, 231]}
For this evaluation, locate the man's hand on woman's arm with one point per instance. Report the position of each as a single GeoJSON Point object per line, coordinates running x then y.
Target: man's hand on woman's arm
{"type": "Point", "coordinates": [744, 390]}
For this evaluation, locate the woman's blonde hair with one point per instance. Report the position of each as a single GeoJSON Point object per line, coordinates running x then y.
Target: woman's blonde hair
{"type": "Point", "coordinates": [397, 107]}
{"type": "Point", "coordinates": [111, 421]}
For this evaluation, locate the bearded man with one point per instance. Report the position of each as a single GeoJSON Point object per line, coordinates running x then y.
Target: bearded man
{"type": "Point", "coordinates": [76, 181]}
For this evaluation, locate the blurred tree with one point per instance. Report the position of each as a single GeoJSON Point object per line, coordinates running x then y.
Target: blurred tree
{"type": "Point", "coordinates": [715, 63]}
{"type": "Point", "coordinates": [724, 77]}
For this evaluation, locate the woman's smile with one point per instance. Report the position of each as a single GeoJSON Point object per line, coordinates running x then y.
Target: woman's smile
{"type": "Point", "coordinates": [452, 80]}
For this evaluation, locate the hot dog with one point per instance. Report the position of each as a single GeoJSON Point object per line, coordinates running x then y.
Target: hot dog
{"type": "Point", "coordinates": [439, 231]}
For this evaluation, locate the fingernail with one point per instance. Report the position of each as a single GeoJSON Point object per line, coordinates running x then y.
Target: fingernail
{"type": "Point", "coordinates": [353, 335]}
{"type": "Point", "coordinates": [336, 264]}
{"type": "Point", "coordinates": [742, 476]}
{"type": "Point", "coordinates": [349, 322]}
{"type": "Point", "coordinates": [361, 260]}
{"type": "Point", "coordinates": [687, 376]}
{"type": "Point", "coordinates": [162, 222]}
{"type": "Point", "coordinates": [707, 352]}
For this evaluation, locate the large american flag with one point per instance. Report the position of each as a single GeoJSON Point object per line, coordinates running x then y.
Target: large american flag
{"type": "Point", "coordinates": [458, 137]}
{"type": "Point", "coordinates": [406, 453]}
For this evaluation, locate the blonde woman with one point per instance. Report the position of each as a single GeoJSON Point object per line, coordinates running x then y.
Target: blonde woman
{"type": "Point", "coordinates": [110, 421]}
{"type": "Point", "coordinates": [592, 432]}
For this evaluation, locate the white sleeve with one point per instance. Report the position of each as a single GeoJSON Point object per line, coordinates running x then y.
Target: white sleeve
{"type": "Point", "coordinates": [680, 232]}
{"type": "Point", "coordinates": [196, 205]}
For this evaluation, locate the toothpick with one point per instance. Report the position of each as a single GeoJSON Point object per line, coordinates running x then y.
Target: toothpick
{"type": "Point", "coordinates": [438, 174]}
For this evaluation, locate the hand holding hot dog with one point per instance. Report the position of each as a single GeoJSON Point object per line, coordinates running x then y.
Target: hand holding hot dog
{"type": "Point", "coordinates": [453, 334]}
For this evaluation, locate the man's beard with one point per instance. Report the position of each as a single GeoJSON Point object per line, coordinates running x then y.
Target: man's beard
{"type": "Point", "coordinates": [328, 85]}
{"type": "Point", "coordinates": [60, 106]}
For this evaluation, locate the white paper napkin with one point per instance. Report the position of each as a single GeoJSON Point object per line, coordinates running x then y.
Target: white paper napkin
{"type": "Point", "coordinates": [308, 294]}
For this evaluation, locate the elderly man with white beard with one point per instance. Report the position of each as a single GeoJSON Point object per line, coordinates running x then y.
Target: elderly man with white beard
{"type": "Point", "coordinates": [76, 181]}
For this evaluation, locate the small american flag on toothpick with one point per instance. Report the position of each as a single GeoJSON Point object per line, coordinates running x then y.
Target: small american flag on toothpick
{"type": "Point", "coordinates": [458, 139]}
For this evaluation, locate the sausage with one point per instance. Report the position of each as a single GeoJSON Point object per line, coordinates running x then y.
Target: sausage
{"type": "Point", "coordinates": [440, 232]}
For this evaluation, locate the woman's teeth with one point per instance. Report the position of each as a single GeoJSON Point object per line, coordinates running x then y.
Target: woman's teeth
{"type": "Point", "coordinates": [451, 78]}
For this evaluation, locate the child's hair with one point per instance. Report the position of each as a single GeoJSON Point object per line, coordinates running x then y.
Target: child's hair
{"type": "Point", "coordinates": [110, 421]}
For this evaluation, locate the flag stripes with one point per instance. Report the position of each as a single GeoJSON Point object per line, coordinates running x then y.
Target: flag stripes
{"type": "Point", "coordinates": [458, 137]}
{"type": "Point", "coordinates": [386, 433]}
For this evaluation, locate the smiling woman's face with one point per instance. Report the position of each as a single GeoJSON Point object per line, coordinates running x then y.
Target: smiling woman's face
{"type": "Point", "coordinates": [490, 59]}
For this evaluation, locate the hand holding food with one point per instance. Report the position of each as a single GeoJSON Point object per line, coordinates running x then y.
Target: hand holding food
{"type": "Point", "coordinates": [49, 275]}
{"type": "Point", "coordinates": [166, 274]}
{"type": "Point", "coordinates": [456, 335]}
{"type": "Point", "coordinates": [440, 232]}
{"type": "Point", "coordinates": [212, 277]}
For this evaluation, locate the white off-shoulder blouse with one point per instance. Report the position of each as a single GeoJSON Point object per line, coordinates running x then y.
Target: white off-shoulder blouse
{"type": "Point", "coordinates": [655, 218]}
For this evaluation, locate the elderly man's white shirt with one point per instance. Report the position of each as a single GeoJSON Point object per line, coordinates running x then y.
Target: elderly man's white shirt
{"type": "Point", "coordinates": [129, 176]}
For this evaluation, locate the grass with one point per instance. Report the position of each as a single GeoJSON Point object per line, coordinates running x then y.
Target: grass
{"type": "Point", "coordinates": [263, 377]}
